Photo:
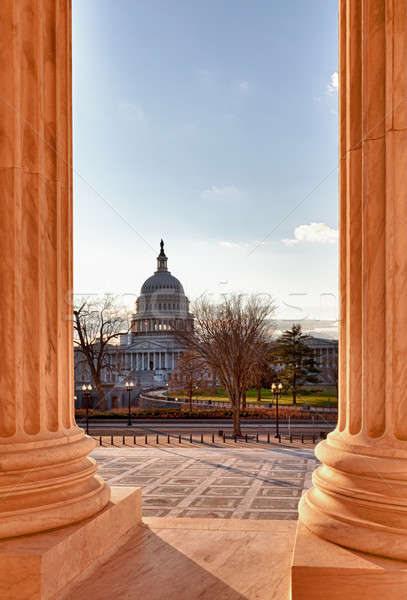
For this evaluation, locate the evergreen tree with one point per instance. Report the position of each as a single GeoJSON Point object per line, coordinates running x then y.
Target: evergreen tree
{"type": "Point", "coordinates": [296, 359]}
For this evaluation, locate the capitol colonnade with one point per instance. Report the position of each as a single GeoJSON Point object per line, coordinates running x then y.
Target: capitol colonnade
{"type": "Point", "coordinates": [46, 478]}
{"type": "Point", "coordinates": [141, 361]}
{"type": "Point", "coordinates": [359, 496]}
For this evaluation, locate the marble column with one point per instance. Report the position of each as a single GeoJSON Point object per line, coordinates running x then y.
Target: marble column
{"type": "Point", "coordinates": [46, 477]}
{"type": "Point", "coordinates": [359, 498]}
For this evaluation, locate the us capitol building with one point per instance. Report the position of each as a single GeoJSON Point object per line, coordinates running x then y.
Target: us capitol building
{"type": "Point", "coordinates": [150, 351]}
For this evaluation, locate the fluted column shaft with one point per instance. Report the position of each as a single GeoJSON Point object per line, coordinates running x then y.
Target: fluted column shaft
{"type": "Point", "coordinates": [359, 498]}
{"type": "Point", "coordinates": [46, 479]}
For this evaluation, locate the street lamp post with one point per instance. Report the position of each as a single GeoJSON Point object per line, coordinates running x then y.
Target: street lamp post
{"type": "Point", "coordinates": [277, 389]}
{"type": "Point", "coordinates": [129, 386]}
{"type": "Point", "coordinates": [86, 392]}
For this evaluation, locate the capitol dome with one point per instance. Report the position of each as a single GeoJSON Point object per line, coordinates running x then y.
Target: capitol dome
{"type": "Point", "coordinates": [162, 305]}
{"type": "Point", "coordinates": [164, 282]}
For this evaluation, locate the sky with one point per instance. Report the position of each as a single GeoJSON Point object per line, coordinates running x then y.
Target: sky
{"type": "Point", "coordinates": [211, 124]}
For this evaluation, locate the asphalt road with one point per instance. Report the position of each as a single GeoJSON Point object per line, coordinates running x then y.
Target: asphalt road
{"type": "Point", "coordinates": [204, 426]}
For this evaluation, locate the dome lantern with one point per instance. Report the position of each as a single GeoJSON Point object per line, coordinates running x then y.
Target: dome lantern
{"type": "Point", "coordinates": [162, 282]}
{"type": "Point", "coordinates": [162, 260]}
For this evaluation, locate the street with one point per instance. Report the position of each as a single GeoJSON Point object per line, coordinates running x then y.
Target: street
{"type": "Point", "coordinates": [155, 426]}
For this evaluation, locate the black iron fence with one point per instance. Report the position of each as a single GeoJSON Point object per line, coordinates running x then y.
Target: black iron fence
{"type": "Point", "coordinates": [219, 438]}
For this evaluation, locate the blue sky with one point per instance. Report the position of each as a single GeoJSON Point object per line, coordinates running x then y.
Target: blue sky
{"type": "Point", "coordinates": [212, 124]}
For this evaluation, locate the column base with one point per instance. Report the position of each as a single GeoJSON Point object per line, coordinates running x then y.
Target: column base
{"type": "Point", "coordinates": [49, 483]}
{"type": "Point", "coordinates": [44, 566]}
{"type": "Point", "coordinates": [322, 570]}
{"type": "Point", "coordinates": [359, 497]}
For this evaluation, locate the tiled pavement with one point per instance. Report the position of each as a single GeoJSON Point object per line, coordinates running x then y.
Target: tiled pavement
{"type": "Point", "coordinates": [223, 483]}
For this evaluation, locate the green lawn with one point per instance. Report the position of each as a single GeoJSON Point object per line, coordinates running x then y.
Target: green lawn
{"type": "Point", "coordinates": [318, 396]}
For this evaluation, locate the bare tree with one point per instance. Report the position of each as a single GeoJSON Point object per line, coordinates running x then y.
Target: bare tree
{"type": "Point", "coordinates": [190, 372]}
{"type": "Point", "coordinates": [97, 323]}
{"type": "Point", "coordinates": [228, 337]}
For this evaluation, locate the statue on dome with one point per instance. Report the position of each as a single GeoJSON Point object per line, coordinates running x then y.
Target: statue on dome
{"type": "Point", "coordinates": [162, 253]}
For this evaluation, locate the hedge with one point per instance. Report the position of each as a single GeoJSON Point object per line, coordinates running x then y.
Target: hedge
{"type": "Point", "coordinates": [214, 413]}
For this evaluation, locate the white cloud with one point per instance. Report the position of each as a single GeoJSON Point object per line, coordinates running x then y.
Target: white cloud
{"type": "Point", "coordinates": [206, 77]}
{"type": "Point", "coordinates": [244, 86]}
{"type": "Point", "coordinates": [332, 87]}
{"type": "Point", "coordinates": [227, 193]}
{"type": "Point", "coordinates": [230, 244]}
{"type": "Point", "coordinates": [226, 244]}
{"type": "Point", "coordinates": [314, 233]}
{"type": "Point", "coordinates": [256, 243]}
{"type": "Point", "coordinates": [133, 112]}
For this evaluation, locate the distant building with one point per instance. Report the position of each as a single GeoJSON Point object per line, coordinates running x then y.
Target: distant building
{"type": "Point", "coordinates": [326, 358]}
{"type": "Point", "coordinates": [150, 351]}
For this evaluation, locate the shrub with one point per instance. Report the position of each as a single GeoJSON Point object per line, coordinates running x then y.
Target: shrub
{"type": "Point", "coordinates": [210, 413]}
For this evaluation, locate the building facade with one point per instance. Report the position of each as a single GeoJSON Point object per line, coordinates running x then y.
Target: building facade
{"type": "Point", "coordinates": [149, 352]}
{"type": "Point", "coordinates": [325, 354]}
{"type": "Point", "coordinates": [161, 308]}
{"type": "Point", "coordinates": [326, 359]}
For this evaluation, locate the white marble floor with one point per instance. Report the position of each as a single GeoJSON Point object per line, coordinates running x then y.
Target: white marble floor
{"type": "Point", "coordinates": [239, 483]}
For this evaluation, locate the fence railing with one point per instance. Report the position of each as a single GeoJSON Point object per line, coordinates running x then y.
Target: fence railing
{"type": "Point", "coordinates": [220, 438]}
